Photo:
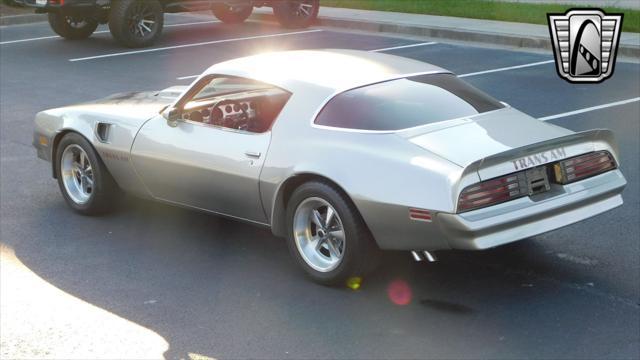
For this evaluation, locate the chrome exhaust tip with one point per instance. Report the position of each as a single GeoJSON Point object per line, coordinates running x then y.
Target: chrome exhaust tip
{"type": "Point", "coordinates": [419, 256]}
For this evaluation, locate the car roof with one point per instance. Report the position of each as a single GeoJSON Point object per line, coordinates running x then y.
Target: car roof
{"type": "Point", "coordinates": [322, 72]}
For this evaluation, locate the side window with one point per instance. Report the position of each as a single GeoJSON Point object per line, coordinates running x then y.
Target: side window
{"type": "Point", "coordinates": [235, 103]}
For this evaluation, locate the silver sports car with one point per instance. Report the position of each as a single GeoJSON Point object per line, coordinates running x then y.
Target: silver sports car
{"type": "Point", "coordinates": [342, 152]}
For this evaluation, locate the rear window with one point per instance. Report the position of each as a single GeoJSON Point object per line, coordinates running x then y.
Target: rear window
{"type": "Point", "coordinates": [405, 103]}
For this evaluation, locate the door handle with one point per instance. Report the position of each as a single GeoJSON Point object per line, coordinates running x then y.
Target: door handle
{"type": "Point", "coordinates": [253, 154]}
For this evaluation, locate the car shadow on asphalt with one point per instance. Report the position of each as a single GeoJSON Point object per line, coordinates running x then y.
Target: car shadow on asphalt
{"type": "Point", "coordinates": [224, 289]}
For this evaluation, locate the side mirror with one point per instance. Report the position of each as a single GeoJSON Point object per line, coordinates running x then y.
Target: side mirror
{"type": "Point", "coordinates": [172, 115]}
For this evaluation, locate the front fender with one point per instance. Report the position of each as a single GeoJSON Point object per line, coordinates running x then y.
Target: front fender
{"type": "Point", "coordinates": [113, 150]}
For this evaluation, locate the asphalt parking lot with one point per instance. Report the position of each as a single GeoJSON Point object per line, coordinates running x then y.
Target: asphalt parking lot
{"type": "Point", "coordinates": [205, 286]}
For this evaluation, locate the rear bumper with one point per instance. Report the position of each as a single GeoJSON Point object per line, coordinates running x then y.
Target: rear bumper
{"type": "Point", "coordinates": [525, 217]}
{"type": "Point", "coordinates": [56, 6]}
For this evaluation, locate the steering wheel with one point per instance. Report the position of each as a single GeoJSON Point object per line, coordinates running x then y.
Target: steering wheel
{"type": "Point", "coordinates": [235, 121]}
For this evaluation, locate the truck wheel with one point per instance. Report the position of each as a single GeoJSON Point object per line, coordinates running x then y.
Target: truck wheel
{"type": "Point", "coordinates": [327, 236]}
{"type": "Point", "coordinates": [231, 14]}
{"type": "Point", "coordinates": [296, 13]}
{"type": "Point", "coordinates": [72, 27]}
{"type": "Point", "coordinates": [136, 23]}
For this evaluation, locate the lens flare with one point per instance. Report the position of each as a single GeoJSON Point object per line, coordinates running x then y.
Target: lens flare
{"type": "Point", "coordinates": [354, 283]}
{"type": "Point", "coordinates": [399, 292]}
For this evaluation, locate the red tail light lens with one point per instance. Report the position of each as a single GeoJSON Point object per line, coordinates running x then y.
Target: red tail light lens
{"type": "Point", "coordinates": [513, 186]}
{"type": "Point", "coordinates": [583, 166]}
{"type": "Point", "coordinates": [492, 192]}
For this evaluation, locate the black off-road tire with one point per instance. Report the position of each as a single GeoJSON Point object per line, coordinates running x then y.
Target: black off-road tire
{"type": "Point", "coordinates": [361, 253]}
{"type": "Point", "coordinates": [105, 192]}
{"type": "Point", "coordinates": [288, 13]}
{"type": "Point", "coordinates": [72, 27]}
{"type": "Point", "coordinates": [122, 22]}
{"type": "Point", "coordinates": [232, 15]}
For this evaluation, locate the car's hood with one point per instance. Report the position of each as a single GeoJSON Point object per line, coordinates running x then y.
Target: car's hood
{"type": "Point", "coordinates": [139, 105]}
{"type": "Point", "coordinates": [464, 141]}
{"type": "Point", "coordinates": [128, 107]}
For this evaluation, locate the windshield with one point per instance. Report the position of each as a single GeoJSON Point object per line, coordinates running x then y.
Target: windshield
{"type": "Point", "coordinates": [227, 85]}
{"type": "Point", "coordinates": [405, 103]}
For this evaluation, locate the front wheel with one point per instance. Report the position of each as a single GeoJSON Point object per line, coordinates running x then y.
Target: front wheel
{"type": "Point", "coordinates": [72, 27]}
{"type": "Point", "coordinates": [84, 180]}
{"type": "Point", "coordinates": [136, 23]}
{"type": "Point", "coordinates": [296, 13]}
{"type": "Point", "coordinates": [232, 14]}
{"type": "Point", "coordinates": [327, 236]}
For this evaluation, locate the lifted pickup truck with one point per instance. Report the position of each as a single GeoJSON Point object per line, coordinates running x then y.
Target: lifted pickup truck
{"type": "Point", "coordinates": [138, 23]}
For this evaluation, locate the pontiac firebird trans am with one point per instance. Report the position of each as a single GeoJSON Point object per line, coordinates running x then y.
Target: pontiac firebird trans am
{"type": "Point", "coordinates": [342, 152]}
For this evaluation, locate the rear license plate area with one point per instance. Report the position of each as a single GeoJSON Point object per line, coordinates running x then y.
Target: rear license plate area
{"type": "Point", "coordinates": [537, 180]}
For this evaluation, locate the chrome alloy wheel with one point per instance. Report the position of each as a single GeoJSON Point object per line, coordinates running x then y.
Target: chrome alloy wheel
{"type": "Point", "coordinates": [77, 174]}
{"type": "Point", "coordinates": [304, 8]}
{"type": "Point", "coordinates": [319, 235]}
{"type": "Point", "coordinates": [142, 20]}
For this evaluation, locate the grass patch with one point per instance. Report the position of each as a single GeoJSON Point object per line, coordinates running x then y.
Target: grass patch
{"type": "Point", "coordinates": [480, 9]}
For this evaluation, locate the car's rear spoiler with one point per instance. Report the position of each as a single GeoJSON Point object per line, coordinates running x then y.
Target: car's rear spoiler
{"type": "Point", "coordinates": [536, 154]}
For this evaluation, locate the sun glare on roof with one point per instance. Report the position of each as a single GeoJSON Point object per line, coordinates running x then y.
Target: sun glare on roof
{"type": "Point", "coordinates": [324, 68]}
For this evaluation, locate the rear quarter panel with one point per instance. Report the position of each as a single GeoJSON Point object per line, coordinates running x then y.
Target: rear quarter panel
{"type": "Point", "coordinates": [383, 174]}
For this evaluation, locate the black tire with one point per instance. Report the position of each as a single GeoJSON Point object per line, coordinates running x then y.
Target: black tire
{"type": "Point", "coordinates": [72, 27]}
{"type": "Point", "coordinates": [232, 14]}
{"type": "Point", "coordinates": [126, 16]}
{"type": "Point", "coordinates": [105, 191]}
{"type": "Point", "coordinates": [360, 254]}
{"type": "Point", "coordinates": [290, 13]}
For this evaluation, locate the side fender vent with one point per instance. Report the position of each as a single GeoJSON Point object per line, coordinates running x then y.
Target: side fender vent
{"type": "Point", "coordinates": [102, 132]}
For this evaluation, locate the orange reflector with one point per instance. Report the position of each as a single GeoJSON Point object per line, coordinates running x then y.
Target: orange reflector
{"type": "Point", "coordinates": [419, 215]}
{"type": "Point", "coordinates": [43, 140]}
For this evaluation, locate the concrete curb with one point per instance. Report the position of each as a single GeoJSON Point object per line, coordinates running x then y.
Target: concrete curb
{"type": "Point", "coordinates": [22, 19]}
{"type": "Point", "coordinates": [534, 42]}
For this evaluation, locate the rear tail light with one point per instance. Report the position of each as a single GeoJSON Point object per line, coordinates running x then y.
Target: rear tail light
{"type": "Point", "coordinates": [524, 183]}
{"type": "Point", "coordinates": [583, 166]}
{"type": "Point", "coordinates": [492, 192]}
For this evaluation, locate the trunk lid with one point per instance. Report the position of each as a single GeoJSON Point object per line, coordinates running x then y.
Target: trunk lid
{"type": "Point", "coordinates": [503, 141]}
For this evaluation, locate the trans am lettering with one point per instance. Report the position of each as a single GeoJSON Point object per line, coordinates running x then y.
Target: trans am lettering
{"type": "Point", "coordinates": [539, 159]}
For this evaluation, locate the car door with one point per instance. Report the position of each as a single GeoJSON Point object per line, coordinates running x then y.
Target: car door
{"type": "Point", "coordinates": [202, 166]}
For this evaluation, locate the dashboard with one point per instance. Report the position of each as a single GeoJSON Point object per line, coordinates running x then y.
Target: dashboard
{"type": "Point", "coordinates": [252, 111]}
{"type": "Point", "coordinates": [239, 115]}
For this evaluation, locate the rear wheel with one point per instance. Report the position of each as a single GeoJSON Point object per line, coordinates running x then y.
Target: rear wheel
{"type": "Point", "coordinates": [84, 181]}
{"type": "Point", "coordinates": [296, 13]}
{"type": "Point", "coordinates": [327, 236]}
{"type": "Point", "coordinates": [136, 23]}
{"type": "Point", "coordinates": [72, 27]}
{"type": "Point", "coordinates": [232, 14]}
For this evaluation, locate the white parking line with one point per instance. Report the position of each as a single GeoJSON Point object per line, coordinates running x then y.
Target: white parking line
{"type": "Point", "coordinates": [506, 68]}
{"type": "Point", "coordinates": [404, 46]}
{"type": "Point", "coordinates": [192, 45]}
{"type": "Point", "coordinates": [592, 108]}
{"type": "Point", "coordinates": [105, 31]}
{"type": "Point", "coordinates": [31, 39]}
